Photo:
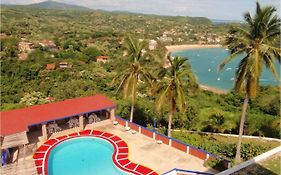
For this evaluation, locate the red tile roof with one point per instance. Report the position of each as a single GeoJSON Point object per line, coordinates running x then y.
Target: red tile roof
{"type": "Point", "coordinates": [51, 67]}
{"type": "Point", "coordinates": [18, 120]}
{"type": "Point", "coordinates": [45, 43]}
{"type": "Point", "coordinates": [102, 57]}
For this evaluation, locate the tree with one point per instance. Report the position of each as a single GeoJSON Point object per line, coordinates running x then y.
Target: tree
{"type": "Point", "coordinates": [9, 46]}
{"type": "Point", "coordinates": [259, 43]}
{"type": "Point", "coordinates": [136, 73]}
{"type": "Point", "coordinates": [171, 87]}
{"type": "Point", "coordinates": [34, 98]}
{"type": "Point", "coordinates": [92, 53]}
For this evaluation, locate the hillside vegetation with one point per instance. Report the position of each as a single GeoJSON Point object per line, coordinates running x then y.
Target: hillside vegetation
{"type": "Point", "coordinates": [81, 36]}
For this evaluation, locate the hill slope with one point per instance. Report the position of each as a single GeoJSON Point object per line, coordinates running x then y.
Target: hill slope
{"type": "Point", "coordinates": [56, 5]}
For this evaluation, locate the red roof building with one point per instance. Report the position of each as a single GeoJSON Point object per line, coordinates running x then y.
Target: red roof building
{"type": "Point", "coordinates": [50, 66]}
{"type": "Point", "coordinates": [18, 120]}
{"type": "Point", "coordinates": [102, 58]}
{"type": "Point", "coordinates": [47, 43]}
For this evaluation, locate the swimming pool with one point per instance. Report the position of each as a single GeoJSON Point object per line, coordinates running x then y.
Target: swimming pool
{"type": "Point", "coordinates": [65, 152]}
{"type": "Point", "coordinates": [83, 156]}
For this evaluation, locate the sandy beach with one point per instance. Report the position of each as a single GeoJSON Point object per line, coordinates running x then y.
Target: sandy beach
{"type": "Point", "coordinates": [173, 48]}
{"type": "Point", "coordinates": [213, 89]}
{"type": "Point", "coordinates": [191, 46]}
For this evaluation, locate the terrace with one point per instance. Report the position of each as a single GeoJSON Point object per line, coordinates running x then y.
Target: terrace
{"type": "Point", "coordinates": [146, 151]}
{"type": "Point", "coordinates": [143, 144]}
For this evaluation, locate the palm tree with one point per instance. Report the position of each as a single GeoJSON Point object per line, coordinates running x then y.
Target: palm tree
{"type": "Point", "coordinates": [259, 43]}
{"type": "Point", "coordinates": [130, 78]}
{"type": "Point", "coordinates": [171, 87]}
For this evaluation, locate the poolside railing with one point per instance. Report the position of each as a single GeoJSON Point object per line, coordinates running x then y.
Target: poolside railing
{"type": "Point", "coordinates": [175, 171]}
{"type": "Point", "coordinates": [177, 144]}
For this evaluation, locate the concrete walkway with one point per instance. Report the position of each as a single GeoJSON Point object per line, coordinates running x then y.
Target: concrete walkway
{"type": "Point", "coordinates": [146, 151]}
{"type": "Point", "coordinates": [142, 150]}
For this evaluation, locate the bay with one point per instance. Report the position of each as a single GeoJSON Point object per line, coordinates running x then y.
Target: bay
{"type": "Point", "coordinates": [205, 61]}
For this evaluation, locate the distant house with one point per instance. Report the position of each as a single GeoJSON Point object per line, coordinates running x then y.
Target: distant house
{"type": "Point", "coordinates": [102, 58]}
{"type": "Point", "coordinates": [64, 65]}
{"type": "Point", "coordinates": [48, 44]}
{"type": "Point", "coordinates": [3, 36]}
{"type": "Point", "coordinates": [22, 56]}
{"type": "Point", "coordinates": [50, 66]}
{"type": "Point", "coordinates": [25, 47]}
{"type": "Point", "coordinates": [166, 64]}
{"type": "Point", "coordinates": [152, 44]}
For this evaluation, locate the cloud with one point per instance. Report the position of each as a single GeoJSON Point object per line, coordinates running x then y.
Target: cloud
{"type": "Point", "coordinates": [214, 9]}
{"type": "Point", "coordinates": [20, 2]}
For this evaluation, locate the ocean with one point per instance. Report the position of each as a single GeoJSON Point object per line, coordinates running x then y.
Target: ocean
{"type": "Point", "coordinates": [204, 62]}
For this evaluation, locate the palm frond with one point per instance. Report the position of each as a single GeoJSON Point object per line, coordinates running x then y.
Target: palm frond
{"type": "Point", "coordinates": [227, 60]}
{"type": "Point", "coordinates": [181, 103]}
{"type": "Point", "coordinates": [128, 86]}
{"type": "Point", "coordinates": [248, 18]}
{"type": "Point", "coordinates": [259, 41]}
{"type": "Point", "coordinates": [269, 64]}
{"type": "Point", "coordinates": [161, 99]}
{"type": "Point", "coordinates": [241, 74]}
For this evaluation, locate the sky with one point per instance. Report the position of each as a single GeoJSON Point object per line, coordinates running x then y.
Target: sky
{"type": "Point", "coordinates": [213, 9]}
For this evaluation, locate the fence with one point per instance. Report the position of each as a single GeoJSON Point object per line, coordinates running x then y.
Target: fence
{"type": "Point", "coordinates": [175, 171]}
{"type": "Point", "coordinates": [228, 135]}
{"type": "Point", "coordinates": [252, 161]}
{"type": "Point", "coordinates": [189, 149]}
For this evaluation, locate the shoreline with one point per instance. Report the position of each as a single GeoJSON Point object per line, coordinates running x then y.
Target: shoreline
{"type": "Point", "coordinates": [173, 48]}
{"type": "Point", "coordinates": [213, 89]}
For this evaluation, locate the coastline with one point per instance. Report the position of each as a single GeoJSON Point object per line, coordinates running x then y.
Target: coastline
{"type": "Point", "coordinates": [213, 89]}
{"type": "Point", "coordinates": [173, 48]}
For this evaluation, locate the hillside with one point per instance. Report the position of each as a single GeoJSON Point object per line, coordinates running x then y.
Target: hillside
{"type": "Point", "coordinates": [94, 23]}
{"type": "Point", "coordinates": [81, 36]}
{"type": "Point", "coordinates": [56, 5]}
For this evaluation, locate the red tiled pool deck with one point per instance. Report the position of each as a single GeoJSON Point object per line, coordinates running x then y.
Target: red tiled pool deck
{"type": "Point", "coordinates": [119, 157]}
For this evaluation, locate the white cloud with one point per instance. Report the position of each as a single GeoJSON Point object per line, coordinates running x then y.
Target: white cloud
{"type": "Point", "coordinates": [215, 9]}
{"type": "Point", "coordinates": [21, 2]}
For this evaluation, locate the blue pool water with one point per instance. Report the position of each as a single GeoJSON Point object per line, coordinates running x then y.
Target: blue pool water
{"type": "Point", "coordinates": [204, 64]}
{"type": "Point", "coordinates": [83, 156]}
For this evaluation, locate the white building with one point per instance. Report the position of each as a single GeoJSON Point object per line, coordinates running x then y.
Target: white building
{"type": "Point", "coordinates": [152, 44]}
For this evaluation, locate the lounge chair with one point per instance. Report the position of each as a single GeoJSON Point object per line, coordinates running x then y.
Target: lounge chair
{"type": "Point", "coordinates": [53, 128]}
{"type": "Point", "coordinates": [93, 118]}
{"type": "Point", "coordinates": [50, 129]}
{"type": "Point", "coordinates": [73, 122]}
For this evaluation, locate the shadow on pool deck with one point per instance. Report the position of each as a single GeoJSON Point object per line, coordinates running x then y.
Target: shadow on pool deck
{"type": "Point", "coordinates": [146, 151]}
{"type": "Point", "coordinates": [142, 150]}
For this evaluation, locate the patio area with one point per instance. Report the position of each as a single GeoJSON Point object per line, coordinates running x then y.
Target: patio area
{"type": "Point", "coordinates": [142, 149]}
{"type": "Point", "coordinates": [146, 151]}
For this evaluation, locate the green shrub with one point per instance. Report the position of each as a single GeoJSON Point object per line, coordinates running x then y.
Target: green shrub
{"type": "Point", "coordinates": [217, 164]}
{"type": "Point", "coordinates": [226, 150]}
{"type": "Point", "coordinates": [92, 53]}
{"type": "Point", "coordinates": [249, 150]}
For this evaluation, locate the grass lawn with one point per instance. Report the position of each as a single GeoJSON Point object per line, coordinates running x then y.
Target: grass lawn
{"type": "Point", "coordinates": [220, 144]}
{"type": "Point", "coordinates": [270, 166]}
{"type": "Point", "coordinates": [269, 144]}
{"type": "Point", "coordinates": [273, 164]}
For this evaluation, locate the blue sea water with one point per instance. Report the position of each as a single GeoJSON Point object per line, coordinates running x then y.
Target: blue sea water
{"type": "Point", "coordinates": [83, 156]}
{"type": "Point", "coordinates": [204, 62]}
